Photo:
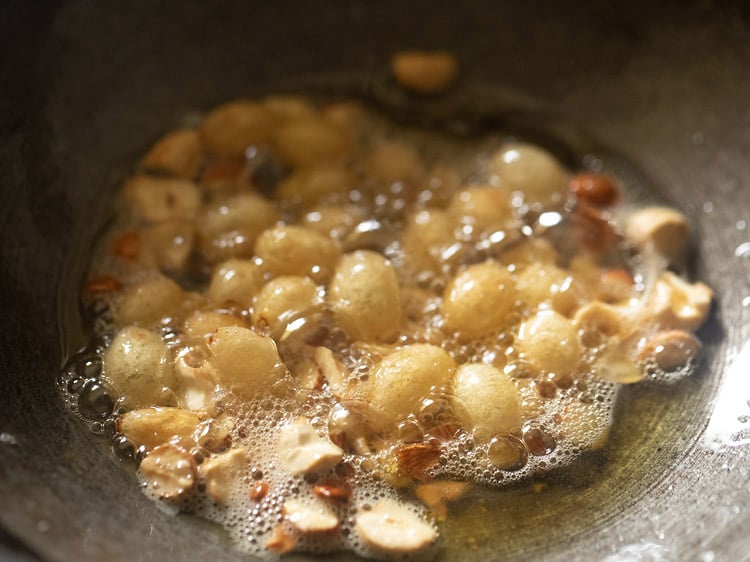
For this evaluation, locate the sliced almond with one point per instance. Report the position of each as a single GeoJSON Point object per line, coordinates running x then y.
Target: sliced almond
{"type": "Point", "coordinates": [391, 527]}
{"type": "Point", "coordinates": [102, 284]}
{"type": "Point", "coordinates": [168, 471]}
{"type": "Point", "coordinates": [424, 72]}
{"type": "Point", "coordinates": [340, 492]}
{"type": "Point", "coordinates": [302, 450]}
{"type": "Point", "coordinates": [314, 517]}
{"type": "Point", "coordinates": [221, 472]}
{"type": "Point", "coordinates": [127, 245]}
{"type": "Point", "coordinates": [332, 370]}
{"type": "Point", "coordinates": [280, 541]}
{"type": "Point", "coordinates": [436, 495]}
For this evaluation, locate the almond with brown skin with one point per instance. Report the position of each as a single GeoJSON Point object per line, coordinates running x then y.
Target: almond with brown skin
{"type": "Point", "coordinates": [416, 459]}
{"type": "Point", "coordinates": [592, 230]}
{"type": "Point", "coordinates": [127, 245]}
{"type": "Point", "coordinates": [102, 284]}
{"type": "Point", "coordinates": [259, 491]}
{"type": "Point", "coordinates": [445, 431]}
{"type": "Point", "coordinates": [280, 541]}
{"type": "Point", "coordinates": [336, 492]}
{"type": "Point", "coordinates": [594, 189]}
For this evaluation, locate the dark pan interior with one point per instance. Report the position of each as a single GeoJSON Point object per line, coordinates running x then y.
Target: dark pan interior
{"type": "Point", "coordinates": [86, 86]}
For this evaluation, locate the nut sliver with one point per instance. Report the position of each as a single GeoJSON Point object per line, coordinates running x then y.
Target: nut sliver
{"type": "Point", "coordinates": [392, 528]}
{"type": "Point", "coordinates": [302, 450]}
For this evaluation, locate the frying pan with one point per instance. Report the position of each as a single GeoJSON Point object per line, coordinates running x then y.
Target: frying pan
{"type": "Point", "coordinates": [86, 86]}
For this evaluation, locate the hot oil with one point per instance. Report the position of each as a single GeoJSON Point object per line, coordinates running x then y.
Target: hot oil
{"type": "Point", "coordinates": [556, 474]}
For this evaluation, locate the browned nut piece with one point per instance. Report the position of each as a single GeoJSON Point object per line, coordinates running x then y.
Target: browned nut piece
{"type": "Point", "coordinates": [671, 350]}
{"type": "Point", "coordinates": [594, 189]}
{"type": "Point", "coordinates": [416, 459]}
{"type": "Point", "coordinates": [221, 473]}
{"type": "Point", "coordinates": [314, 517]}
{"type": "Point", "coordinates": [592, 230]}
{"type": "Point", "coordinates": [102, 284]}
{"type": "Point", "coordinates": [280, 541]}
{"type": "Point", "coordinates": [127, 245]}
{"type": "Point", "coordinates": [151, 427]}
{"type": "Point", "coordinates": [436, 495]}
{"type": "Point", "coordinates": [177, 154]}
{"type": "Point", "coordinates": [168, 471]}
{"type": "Point", "coordinates": [442, 490]}
{"type": "Point", "coordinates": [663, 229]}
{"type": "Point", "coordinates": [615, 285]}
{"type": "Point", "coordinates": [336, 492]}
{"type": "Point", "coordinates": [259, 491]}
{"type": "Point", "coordinates": [392, 528]}
{"type": "Point", "coordinates": [424, 72]}
{"type": "Point", "coordinates": [224, 175]}
{"type": "Point", "coordinates": [444, 432]}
